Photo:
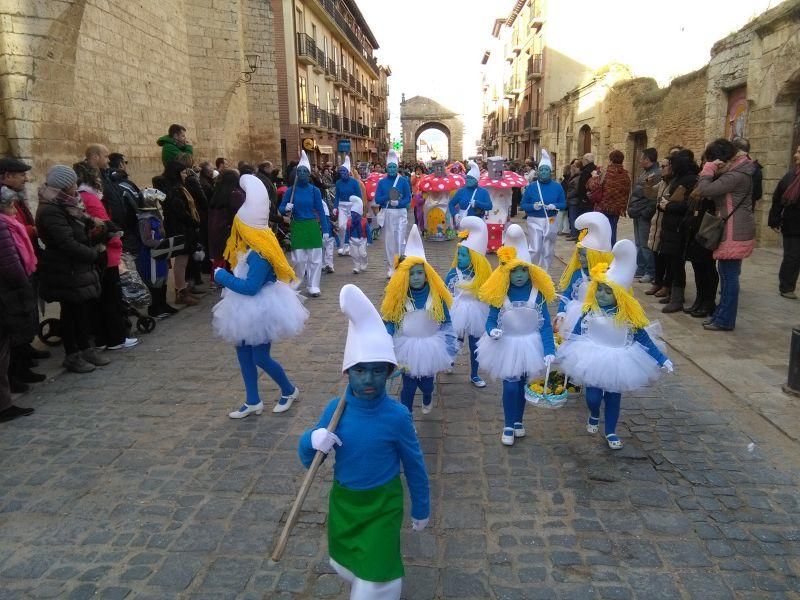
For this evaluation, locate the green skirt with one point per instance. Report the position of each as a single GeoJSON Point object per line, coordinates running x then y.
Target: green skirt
{"type": "Point", "coordinates": [306, 234]}
{"type": "Point", "coordinates": [364, 530]}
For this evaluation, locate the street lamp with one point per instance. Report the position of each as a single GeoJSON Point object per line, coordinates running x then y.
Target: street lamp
{"type": "Point", "coordinates": [252, 65]}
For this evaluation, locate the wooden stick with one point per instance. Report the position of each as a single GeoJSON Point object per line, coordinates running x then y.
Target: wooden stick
{"type": "Point", "coordinates": [291, 520]}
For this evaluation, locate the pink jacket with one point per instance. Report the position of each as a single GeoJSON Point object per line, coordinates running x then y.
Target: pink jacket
{"type": "Point", "coordinates": [94, 208]}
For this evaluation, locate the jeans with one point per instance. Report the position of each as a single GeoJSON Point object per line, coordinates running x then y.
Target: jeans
{"type": "Point", "coordinates": [410, 385]}
{"type": "Point", "coordinates": [595, 397]}
{"type": "Point", "coordinates": [645, 259]}
{"type": "Point", "coordinates": [729, 271]}
{"type": "Point", "coordinates": [573, 212]}
{"type": "Point", "coordinates": [513, 401]}
{"type": "Point", "coordinates": [613, 219]}
{"type": "Point", "coordinates": [473, 356]}
{"type": "Point", "coordinates": [251, 357]}
{"type": "Point", "coordinates": [790, 266]}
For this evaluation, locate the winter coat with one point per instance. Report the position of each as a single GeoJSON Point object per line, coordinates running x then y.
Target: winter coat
{"type": "Point", "coordinates": [727, 190]}
{"type": "Point", "coordinates": [125, 215]}
{"type": "Point", "coordinates": [178, 219]}
{"type": "Point", "coordinates": [655, 193]}
{"type": "Point", "coordinates": [787, 218]}
{"type": "Point", "coordinates": [639, 205]}
{"type": "Point", "coordinates": [583, 178]}
{"type": "Point", "coordinates": [696, 208]}
{"type": "Point", "coordinates": [170, 149]}
{"type": "Point", "coordinates": [17, 298]}
{"type": "Point", "coordinates": [68, 269]}
{"type": "Point", "coordinates": [94, 208]}
{"type": "Point", "coordinates": [673, 242]}
{"type": "Point", "coordinates": [616, 186]}
{"type": "Point", "coordinates": [572, 191]}
{"type": "Point", "coordinates": [220, 221]}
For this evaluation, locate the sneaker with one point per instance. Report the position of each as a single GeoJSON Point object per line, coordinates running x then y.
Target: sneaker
{"type": "Point", "coordinates": [789, 295]}
{"type": "Point", "coordinates": [75, 363]}
{"type": "Point", "coordinates": [646, 279]}
{"type": "Point", "coordinates": [128, 343]}
{"type": "Point", "coordinates": [519, 430]}
{"type": "Point", "coordinates": [247, 409]}
{"type": "Point", "coordinates": [478, 382]}
{"type": "Point", "coordinates": [426, 408]}
{"type": "Point", "coordinates": [355, 271]}
{"type": "Point", "coordinates": [285, 402]}
{"type": "Point", "coordinates": [92, 357]}
{"type": "Point", "coordinates": [507, 438]}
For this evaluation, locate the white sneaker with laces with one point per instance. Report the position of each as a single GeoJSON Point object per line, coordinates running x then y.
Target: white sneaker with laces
{"type": "Point", "coordinates": [286, 401]}
{"type": "Point", "coordinates": [128, 343]}
{"type": "Point", "coordinates": [508, 437]}
{"type": "Point", "coordinates": [519, 430]}
{"type": "Point", "coordinates": [426, 408]}
{"type": "Point", "coordinates": [247, 409]}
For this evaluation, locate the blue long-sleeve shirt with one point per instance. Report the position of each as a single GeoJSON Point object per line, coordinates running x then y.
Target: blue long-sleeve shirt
{"type": "Point", "coordinates": [420, 297]}
{"type": "Point", "coordinates": [567, 293]}
{"type": "Point", "coordinates": [345, 189]}
{"type": "Point", "coordinates": [522, 294]}
{"type": "Point", "coordinates": [377, 437]}
{"type": "Point", "coordinates": [462, 200]}
{"type": "Point", "coordinates": [639, 335]}
{"type": "Point", "coordinates": [552, 193]}
{"type": "Point", "coordinates": [259, 274]}
{"type": "Point", "coordinates": [355, 226]}
{"type": "Point", "coordinates": [307, 204]}
{"type": "Point", "coordinates": [382, 192]}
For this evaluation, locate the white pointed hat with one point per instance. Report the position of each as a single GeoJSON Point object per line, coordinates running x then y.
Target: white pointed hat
{"type": "Point", "coordinates": [304, 160]}
{"type": "Point", "coordinates": [356, 204]}
{"type": "Point", "coordinates": [392, 158]}
{"type": "Point", "coordinates": [545, 161]}
{"type": "Point", "coordinates": [474, 170]}
{"type": "Point", "coordinates": [255, 210]}
{"type": "Point", "coordinates": [599, 235]}
{"type": "Point", "coordinates": [414, 245]}
{"type": "Point", "coordinates": [623, 267]}
{"type": "Point", "coordinates": [515, 237]}
{"type": "Point", "coordinates": [478, 237]}
{"type": "Point", "coordinates": [367, 338]}
{"type": "Point", "coordinates": [346, 163]}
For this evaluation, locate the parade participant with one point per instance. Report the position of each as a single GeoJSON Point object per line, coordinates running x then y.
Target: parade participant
{"type": "Point", "coordinates": [593, 247]}
{"type": "Point", "coordinates": [416, 312]}
{"type": "Point", "coordinates": [360, 234]}
{"type": "Point", "coordinates": [329, 240]}
{"type": "Point", "coordinates": [542, 200]}
{"type": "Point", "coordinates": [469, 272]}
{"type": "Point", "coordinates": [609, 350]}
{"type": "Point", "coordinates": [258, 306]}
{"type": "Point", "coordinates": [303, 202]}
{"type": "Point", "coordinates": [346, 188]}
{"type": "Point", "coordinates": [393, 195]}
{"type": "Point", "coordinates": [470, 200]}
{"type": "Point", "coordinates": [518, 343]}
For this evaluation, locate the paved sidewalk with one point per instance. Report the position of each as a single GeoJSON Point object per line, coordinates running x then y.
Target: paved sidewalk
{"type": "Point", "coordinates": [131, 482]}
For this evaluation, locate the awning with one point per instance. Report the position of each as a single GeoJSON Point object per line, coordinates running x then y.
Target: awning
{"type": "Point", "coordinates": [325, 149]}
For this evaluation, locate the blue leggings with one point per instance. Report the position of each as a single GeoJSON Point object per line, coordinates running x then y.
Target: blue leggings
{"type": "Point", "coordinates": [251, 357]}
{"type": "Point", "coordinates": [473, 356]}
{"type": "Point", "coordinates": [513, 401]}
{"type": "Point", "coordinates": [410, 385]}
{"type": "Point", "coordinates": [594, 397]}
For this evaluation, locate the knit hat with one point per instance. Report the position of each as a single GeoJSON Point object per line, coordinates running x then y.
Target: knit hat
{"type": "Point", "coordinates": [7, 195]}
{"type": "Point", "coordinates": [61, 177]}
{"type": "Point", "coordinates": [367, 338]}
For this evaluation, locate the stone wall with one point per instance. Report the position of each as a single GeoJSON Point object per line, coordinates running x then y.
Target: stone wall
{"type": "Point", "coordinates": [419, 112]}
{"type": "Point", "coordinates": [119, 73]}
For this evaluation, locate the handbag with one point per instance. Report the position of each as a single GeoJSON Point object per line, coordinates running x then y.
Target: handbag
{"type": "Point", "coordinates": [709, 235]}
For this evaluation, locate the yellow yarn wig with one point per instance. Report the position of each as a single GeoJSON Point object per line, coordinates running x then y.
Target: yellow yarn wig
{"type": "Point", "coordinates": [393, 307]}
{"type": "Point", "coordinates": [593, 257]}
{"type": "Point", "coordinates": [480, 266]}
{"type": "Point", "coordinates": [262, 241]}
{"type": "Point", "coordinates": [629, 311]}
{"type": "Point", "coordinates": [495, 290]}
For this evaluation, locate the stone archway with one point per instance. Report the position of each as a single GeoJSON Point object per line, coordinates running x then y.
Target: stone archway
{"type": "Point", "coordinates": [420, 113]}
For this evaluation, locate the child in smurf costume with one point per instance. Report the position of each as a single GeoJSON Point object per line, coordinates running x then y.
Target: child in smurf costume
{"type": "Point", "coordinates": [258, 305]}
{"type": "Point", "coordinates": [346, 188]}
{"type": "Point", "coordinates": [518, 343]}
{"type": "Point", "coordinates": [359, 234]}
{"type": "Point", "coordinates": [541, 201]}
{"type": "Point", "coordinates": [470, 200]}
{"type": "Point", "coordinates": [374, 437]}
{"type": "Point", "coordinates": [415, 309]}
{"type": "Point", "coordinates": [609, 351]}
{"type": "Point", "coordinates": [469, 272]}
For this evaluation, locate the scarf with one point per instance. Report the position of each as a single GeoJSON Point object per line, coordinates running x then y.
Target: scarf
{"type": "Point", "coordinates": [192, 207]}
{"type": "Point", "coordinates": [792, 192]}
{"type": "Point", "coordinates": [22, 242]}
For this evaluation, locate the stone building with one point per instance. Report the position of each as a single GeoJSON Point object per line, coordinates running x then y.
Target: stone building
{"type": "Point", "coordinates": [74, 72]}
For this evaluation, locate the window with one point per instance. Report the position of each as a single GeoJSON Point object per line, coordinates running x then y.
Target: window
{"type": "Point", "coordinates": [301, 24]}
{"type": "Point", "coordinates": [303, 100]}
{"type": "Point", "coordinates": [316, 95]}
{"type": "Point", "coordinates": [314, 32]}
{"type": "Point", "coordinates": [736, 119]}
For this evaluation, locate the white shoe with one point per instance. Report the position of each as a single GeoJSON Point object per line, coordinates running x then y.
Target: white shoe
{"type": "Point", "coordinates": [592, 427]}
{"type": "Point", "coordinates": [284, 406]}
{"type": "Point", "coordinates": [507, 438]}
{"type": "Point", "coordinates": [355, 271]}
{"type": "Point", "coordinates": [128, 343]}
{"type": "Point", "coordinates": [426, 408]}
{"type": "Point", "coordinates": [478, 382]}
{"type": "Point", "coordinates": [247, 409]}
{"type": "Point", "coordinates": [519, 430]}
{"type": "Point", "coordinates": [340, 252]}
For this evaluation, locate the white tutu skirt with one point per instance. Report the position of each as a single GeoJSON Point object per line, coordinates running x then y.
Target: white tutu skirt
{"type": "Point", "coordinates": [422, 356]}
{"type": "Point", "coordinates": [275, 313]}
{"type": "Point", "coordinates": [610, 368]}
{"type": "Point", "coordinates": [572, 312]}
{"type": "Point", "coordinates": [469, 315]}
{"type": "Point", "coordinates": [511, 356]}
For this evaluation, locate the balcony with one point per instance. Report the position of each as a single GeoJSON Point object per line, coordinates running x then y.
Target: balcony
{"type": "Point", "coordinates": [535, 67]}
{"type": "Point", "coordinates": [309, 116]}
{"type": "Point", "coordinates": [531, 120]}
{"type": "Point", "coordinates": [351, 81]}
{"type": "Point", "coordinates": [341, 77]}
{"type": "Point", "coordinates": [330, 70]}
{"type": "Point", "coordinates": [306, 49]}
{"type": "Point", "coordinates": [345, 125]}
{"type": "Point", "coordinates": [324, 119]}
{"type": "Point", "coordinates": [511, 125]}
{"type": "Point", "coordinates": [319, 67]}
{"type": "Point", "coordinates": [508, 91]}
{"type": "Point", "coordinates": [329, 7]}
{"type": "Point", "coordinates": [336, 122]}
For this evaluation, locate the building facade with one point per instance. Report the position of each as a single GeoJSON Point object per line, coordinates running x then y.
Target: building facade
{"type": "Point", "coordinates": [335, 95]}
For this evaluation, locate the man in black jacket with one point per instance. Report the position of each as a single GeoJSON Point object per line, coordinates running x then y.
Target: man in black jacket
{"type": "Point", "coordinates": [584, 204]}
{"type": "Point", "coordinates": [641, 211]}
{"type": "Point", "coordinates": [129, 203]}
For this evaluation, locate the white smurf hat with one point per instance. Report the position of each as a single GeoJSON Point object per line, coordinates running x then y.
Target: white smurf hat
{"type": "Point", "coordinates": [623, 267]}
{"type": "Point", "coordinates": [474, 170]}
{"type": "Point", "coordinates": [356, 205]}
{"type": "Point", "coordinates": [392, 158]}
{"type": "Point", "coordinates": [545, 162]}
{"type": "Point", "coordinates": [304, 160]}
{"type": "Point", "coordinates": [414, 245]}
{"type": "Point", "coordinates": [367, 338]}
{"type": "Point", "coordinates": [255, 210]}
{"type": "Point", "coordinates": [515, 237]}
{"type": "Point", "coordinates": [478, 237]}
{"type": "Point", "coordinates": [346, 163]}
{"type": "Point", "coordinates": [599, 235]}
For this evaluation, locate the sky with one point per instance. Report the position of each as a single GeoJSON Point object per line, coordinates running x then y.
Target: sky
{"type": "Point", "coordinates": [434, 47]}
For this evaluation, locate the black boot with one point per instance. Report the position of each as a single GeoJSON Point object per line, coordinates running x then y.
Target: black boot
{"type": "Point", "coordinates": [165, 307]}
{"type": "Point", "coordinates": [675, 303]}
{"type": "Point", "coordinates": [705, 310]}
{"type": "Point", "coordinates": [37, 354]}
{"type": "Point", "coordinates": [698, 302]}
{"type": "Point", "coordinates": [28, 376]}
{"type": "Point", "coordinates": [17, 386]}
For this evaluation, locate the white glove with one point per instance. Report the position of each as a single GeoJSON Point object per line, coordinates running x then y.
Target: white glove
{"type": "Point", "coordinates": [668, 366]}
{"type": "Point", "coordinates": [326, 236]}
{"type": "Point", "coordinates": [548, 360]}
{"type": "Point", "coordinates": [551, 207]}
{"type": "Point", "coordinates": [289, 206]}
{"type": "Point", "coordinates": [323, 440]}
{"type": "Point", "coordinates": [217, 270]}
{"type": "Point", "coordinates": [393, 203]}
{"type": "Point", "coordinates": [537, 205]}
{"type": "Point", "coordinates": [496, 333]}
{"type": "Point", "coordinates": [419, 524]}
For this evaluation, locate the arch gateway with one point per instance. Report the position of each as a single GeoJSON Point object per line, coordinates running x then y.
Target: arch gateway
{"type": "Point", "coordinates": [420, 113]}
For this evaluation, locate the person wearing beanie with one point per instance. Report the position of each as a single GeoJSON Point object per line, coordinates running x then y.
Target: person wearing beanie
{"type": "Point", "coordinates": [373, 439]}
{"type": "Point", "coordinates": [346, 188]}
{"type": "Point", "coordinates": [416, 311]}
{"type": "Point", "coordinates": [359, 233]}
{"type": "Point", "coordinates": [609, 351]}
{"type": "Point", "coordinates": [258, 305]}
{"type": "Point", "coordinates": [469, 272]}
{"type": "Point", "coordinates": [470, 200]}
{"type": "Point", "coordinates": [541, 201]}
{"type": "Point", "coordinates": [393, 195]}
{"type": "Point", "coordinates": [518, 342]}
{"type": "Point", "coordinates": [68, 271]}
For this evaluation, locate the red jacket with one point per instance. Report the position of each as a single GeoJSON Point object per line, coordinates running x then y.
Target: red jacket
{"type": "Point", "coordinates": [94, 208]}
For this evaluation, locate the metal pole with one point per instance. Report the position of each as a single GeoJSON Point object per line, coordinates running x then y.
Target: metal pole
{"type": "Point", "coordinates": [793, 383]}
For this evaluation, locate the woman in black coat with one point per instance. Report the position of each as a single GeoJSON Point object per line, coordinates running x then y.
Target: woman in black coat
{"type": "Point", "coordinates": [784, 217]}
{"type": "Point", "coordinates": [181, 219]}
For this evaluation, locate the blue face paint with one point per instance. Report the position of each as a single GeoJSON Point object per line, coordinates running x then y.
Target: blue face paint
{"type": "Point", "coordinates": [302, 176]}
{"type": "Point", "coordinates": [391, 169]}
{"type": "Point", "coordinates": [368, 380]}
{"type": "Point", "coordinates": [463, 261]}
{"type": "Point", "coordinates": [416, 277]}
{"type": "Point", "coordinates": [545, 173]}
{"type": "Point", "coordinates": [344, 174]}
{"type": "Point", "coordinates": [519, 276]}
{"type": "Point", "coordinates": [605, 296]}
{"type": "Point", "coordinates": [582, 259]}
{"type": "Point", "coordinates": [472, 182]}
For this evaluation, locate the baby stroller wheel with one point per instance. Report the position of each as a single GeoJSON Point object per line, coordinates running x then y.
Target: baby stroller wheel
{"type": "Point", "coordinates": [48, 332]}
{"type": "Point", "coordinates": [145, 324]}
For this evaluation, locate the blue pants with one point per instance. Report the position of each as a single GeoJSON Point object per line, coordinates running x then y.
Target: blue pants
{"type": "Point", "coordinates": [410, 385]}
{"type": "Point", "coordinates": [473, 356]}
{"type": "Point", "coordinates": [595, 397]}
{"type": "Point", "coordinates": [251, 357]}
{"type": "Point", "coordinates": [729, 271]}
{"type": "Point", "coordinates": [645, 259]}
{"type": "Point", "coordinates": [513, 401]}
{"type": "Point", "coordinates": [573, 212]}
{"type": "Point", "coordinates": [613, 219]}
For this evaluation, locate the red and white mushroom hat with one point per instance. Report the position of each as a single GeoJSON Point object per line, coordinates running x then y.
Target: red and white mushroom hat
{"type": "Point", "coordinates": [371, 183]}
{"type": "Point", "coordinates": [509, 180]}
{"type": "Point", "coordinates": [448, 183]}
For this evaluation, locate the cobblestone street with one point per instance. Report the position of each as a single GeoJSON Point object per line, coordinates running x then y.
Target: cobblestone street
{"type": "Point", "coordinates": [131, 482]}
